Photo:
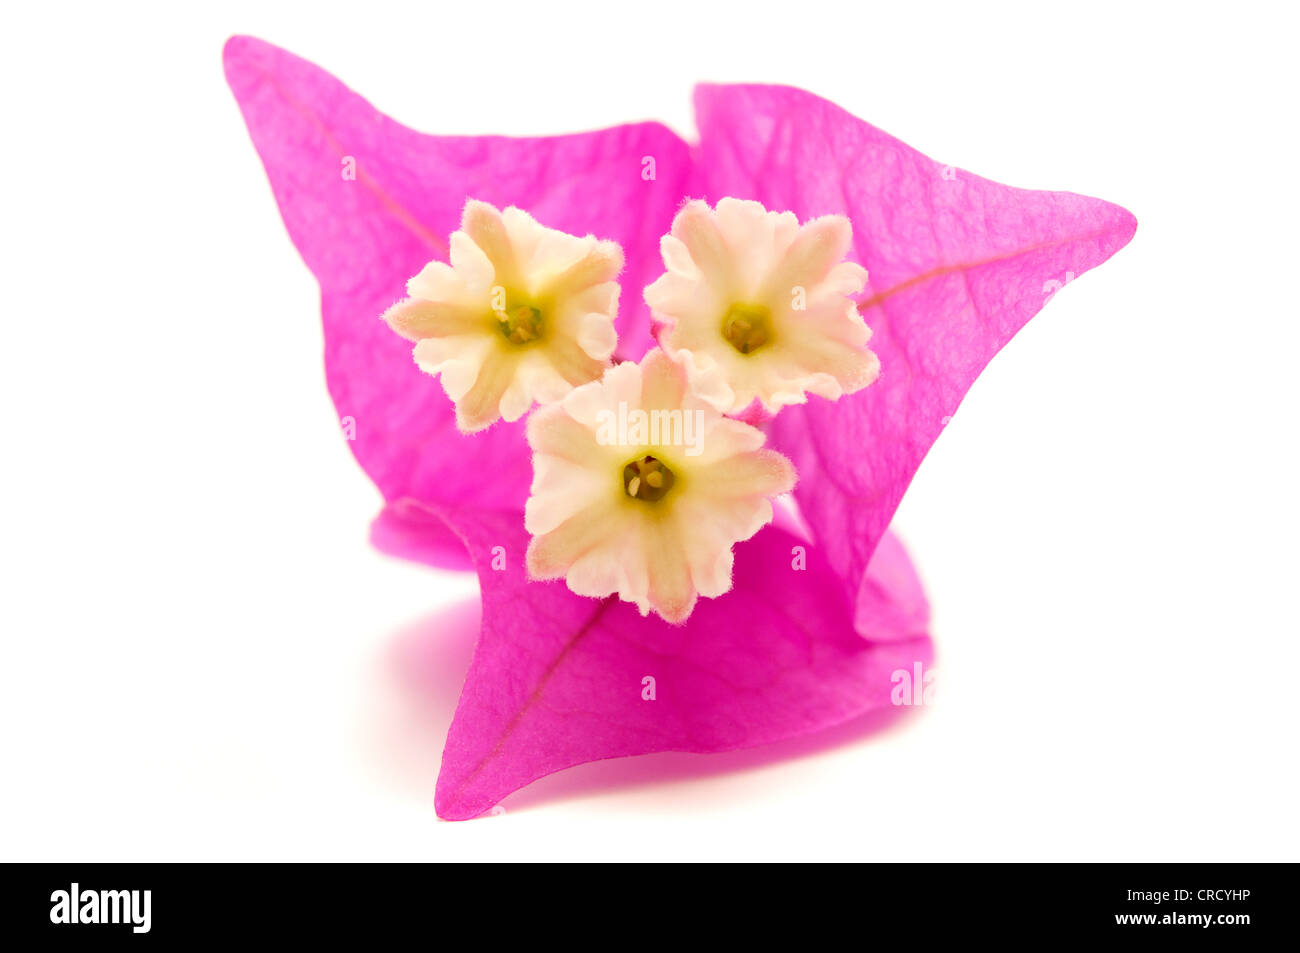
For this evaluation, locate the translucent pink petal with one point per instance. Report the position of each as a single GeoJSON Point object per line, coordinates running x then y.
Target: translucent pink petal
{"type": "Point", "coordinates": [958, 264]}
{"type": "Point", "coordinates": [368, 202]}
{"type": "Point", "coordinates": [406, 529]}
{"type": "Point", "coordinates": [775, 658]}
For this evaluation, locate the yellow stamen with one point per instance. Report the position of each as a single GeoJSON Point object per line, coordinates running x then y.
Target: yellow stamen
{"type": "Point", "coordinates": [520, 324]}
{"type": "Point", "coordinates": [747, 327]}
{"type": "Point", "coordinates": [647, 479]}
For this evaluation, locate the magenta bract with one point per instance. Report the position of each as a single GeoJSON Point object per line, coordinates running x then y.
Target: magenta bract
{"type": "Point", "coordinates": [812, 631]}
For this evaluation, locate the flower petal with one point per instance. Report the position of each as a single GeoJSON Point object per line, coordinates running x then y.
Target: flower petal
{"type": "Point", "coordinates": [573, 691]}
{"type": "Point", "coordinates": [367, 202]}
{"type": "Point", "coordinates": [483, 224]}
{"type": "Point", "coordinates": [957, 265]}
{"type": "Point", "coordinates": [416, 319]}
{"type": "Point", "coordinates": [651, 497]}
{"type": "Point", "coordinates": [763, 313]}
{"type": "Point", "coordinates": [405, 529]}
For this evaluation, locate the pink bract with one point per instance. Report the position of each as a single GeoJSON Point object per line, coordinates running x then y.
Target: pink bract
{"type": "Point", "coordinates": [957, 263]}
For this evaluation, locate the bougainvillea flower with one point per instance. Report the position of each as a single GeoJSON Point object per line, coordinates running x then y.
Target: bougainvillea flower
{"type": "Point", "coordinates": [640, 489]}
{"type": "Point", "coordinates": [816, 620]}
{"type": "Point", "coordinates": [523, 313]}
{"type": "Point", "coordinates": [757, 307]}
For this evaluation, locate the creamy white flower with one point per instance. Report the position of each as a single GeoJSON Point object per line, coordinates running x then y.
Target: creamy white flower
{"type": "Point", "coordinates": [641, 489]}
{"type": "Point", "coordinates": [523, 314]}
{"type": "Point", "coordinates": [756, 306]}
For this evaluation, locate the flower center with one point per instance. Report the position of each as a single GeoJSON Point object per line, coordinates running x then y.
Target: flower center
{"type": "Point", "coordinates": [747, 327]}
{"type": "Point", "coordinates": [520, 323]}
{"type": "Point", "coordinates": [647, 479]}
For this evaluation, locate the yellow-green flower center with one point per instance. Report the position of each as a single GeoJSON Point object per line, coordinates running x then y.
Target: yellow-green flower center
{"type": "Point", "coordinates": [647, 479]}
{"type": "Point", "coordinates": [520, 324]}
{"type": "Point", "coordinates": [747, 327]}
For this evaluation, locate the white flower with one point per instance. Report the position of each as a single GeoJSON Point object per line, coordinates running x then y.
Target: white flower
{"type": "Point", "coordinates": [756, 306]}
{"type": "Point", "coordinates": [640, 488]}
{"type": "Point", "coordinates": [523, 313]}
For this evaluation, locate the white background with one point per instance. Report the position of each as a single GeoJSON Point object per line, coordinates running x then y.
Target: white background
{"type": "Point", "coordinates": [203, 659]}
